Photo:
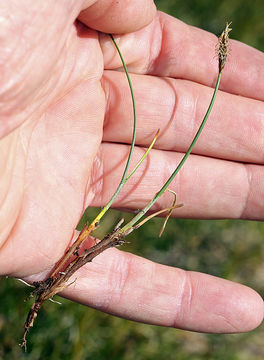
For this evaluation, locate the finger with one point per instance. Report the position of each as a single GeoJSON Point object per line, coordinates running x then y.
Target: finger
{"type": "Point", "coordinates": [233, 131]}
{"type": "Point", "coordinates": [117, 16]}
{"type": "Point", "coordinates": [168, 47]}
{"type": "Point", "coordinates": [209, 188]}
{"type": "Point", "coordinates": [128, 286]}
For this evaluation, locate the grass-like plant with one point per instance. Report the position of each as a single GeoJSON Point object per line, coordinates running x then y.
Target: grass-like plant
{"type": "Point", "coordinates": [74, 258]}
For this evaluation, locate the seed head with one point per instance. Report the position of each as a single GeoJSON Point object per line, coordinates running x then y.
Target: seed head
{"type": "Point", "coordinates": [223, 47]}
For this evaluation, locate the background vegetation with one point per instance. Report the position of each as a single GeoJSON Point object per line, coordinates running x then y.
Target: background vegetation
{"type": "Point", "coordinates": [230, 249]}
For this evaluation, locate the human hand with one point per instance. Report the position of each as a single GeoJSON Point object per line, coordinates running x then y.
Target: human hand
{"type": "Point", "coordinates": [55, 114]}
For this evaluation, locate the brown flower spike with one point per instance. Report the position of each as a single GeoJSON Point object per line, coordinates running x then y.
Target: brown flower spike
{"type": "Point", "coordinates": [223, 47]}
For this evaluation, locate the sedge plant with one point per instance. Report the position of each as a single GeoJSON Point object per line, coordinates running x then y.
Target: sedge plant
{"type": "Point", "coordinates": [73, 259]}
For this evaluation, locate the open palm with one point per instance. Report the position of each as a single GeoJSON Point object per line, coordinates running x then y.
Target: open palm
{"type": "Point", "coordinates": [65, 121]}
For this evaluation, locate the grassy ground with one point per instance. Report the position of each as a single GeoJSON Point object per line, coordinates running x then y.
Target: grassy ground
{"type": "Point", "coordinates": [230, 249]}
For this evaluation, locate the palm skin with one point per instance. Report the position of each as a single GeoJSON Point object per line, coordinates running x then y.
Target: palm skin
{"type": "Point", "coordinates": [65, 121]}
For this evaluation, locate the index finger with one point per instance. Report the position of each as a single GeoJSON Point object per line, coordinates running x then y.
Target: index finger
{"type": "Point", "coordinates": [169, 47]}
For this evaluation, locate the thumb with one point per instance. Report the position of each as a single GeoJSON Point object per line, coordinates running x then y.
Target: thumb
{"type": "Point", "coordinates": [117, 16]}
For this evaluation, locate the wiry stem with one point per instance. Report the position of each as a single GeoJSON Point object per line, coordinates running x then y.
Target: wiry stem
{"type": "Point", "coordinates": [175, 172]}
{"type": "Point", "coordinates": [123, 179]}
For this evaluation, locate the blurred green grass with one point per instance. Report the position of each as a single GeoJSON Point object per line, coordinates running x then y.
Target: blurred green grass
{"type": "Point", "coordinates": [230, 249]}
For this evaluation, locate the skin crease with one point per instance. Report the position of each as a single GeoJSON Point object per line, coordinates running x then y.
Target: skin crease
{"type": "Point", "coordinates": [64, 129]}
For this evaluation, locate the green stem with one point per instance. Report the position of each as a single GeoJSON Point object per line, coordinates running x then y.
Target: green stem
{"type": "Point", "coordinates": [165, 186]}
{"type": "Point", "coordinates": [123, 179]}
